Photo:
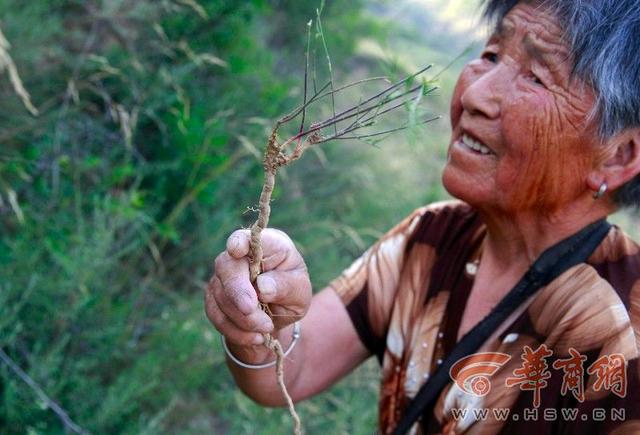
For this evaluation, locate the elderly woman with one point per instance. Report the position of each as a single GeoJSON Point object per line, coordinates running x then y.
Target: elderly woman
{"type": "Point", "coordinates": [545, 142]}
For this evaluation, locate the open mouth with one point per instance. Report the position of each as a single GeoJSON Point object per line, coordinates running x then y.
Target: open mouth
{"type": "Point", "coordinates": [474, 145]}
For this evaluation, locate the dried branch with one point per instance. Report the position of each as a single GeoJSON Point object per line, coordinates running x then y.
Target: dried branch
{"type": "Point", "coordinates": [378, 99]}
{"type": "Point", "coordinates": [306, 77]}
{"type": "Point", "coordinates": [380, 133]}
{"type": "Point", "coordinates": [326, 52]}
{"type": "Point", "coordinates": [6, 62]}
{"type": "Point", "coordinates": [343, 125]}
{"type": "Point", "coordinates": [276, 156]}
{"type": "Point", "coordinates": [359, 114]}
{"type": "Point", "coordinates": [68, 423]}
{"type": "Point", "coordinates": [298, 110]}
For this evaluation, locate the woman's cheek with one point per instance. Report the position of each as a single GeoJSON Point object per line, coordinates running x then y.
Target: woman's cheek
{"type": "Point", "coordinates": [531, 164]}
{"type": "Point", "coordinates": [552, 164]}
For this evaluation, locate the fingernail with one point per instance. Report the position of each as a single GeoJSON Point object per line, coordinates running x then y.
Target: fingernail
{"type": "Point", "coordinates": [266, 285]}
{"type": "Point", "coordinates": [258, 339]}
{"type": "Point", "coordinates": [234, 243]}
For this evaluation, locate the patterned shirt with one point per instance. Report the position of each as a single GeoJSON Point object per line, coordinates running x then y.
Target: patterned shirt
{"type": "Point", "coordinates": [565, 361]}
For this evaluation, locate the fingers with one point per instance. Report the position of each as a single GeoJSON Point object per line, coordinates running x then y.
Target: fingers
{"type": "Point", "coordinates": [232, 333]}
{"type": "Point", "coordinates": [257, 320]}
{"type": "Point", "coordinates": [238, 243]}
{"type": "Point", "coordinates": [233, 274]}
{"type": "Point", "coordinates": [290, 288]}
{"type": "Point", "coordinates": [237, 327]}
{"type": "Point", "coordinates": [232, 301]}
{"type": "Point", "coordinates": [278, 249]}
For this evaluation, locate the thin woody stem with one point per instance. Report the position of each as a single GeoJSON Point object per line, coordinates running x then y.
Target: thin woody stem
{"type": "Point", "coordinates": [367, 122]}
{"type": "Point", "coordinates": [264, 206]}
{"type": "Point", "coordinates": [306, 80]}
{"type": "Point", "coordinates": [379, 133]}
{"type": "Point", "coordinates": [400, 104]}
{"type": "Point", "coordinates": [361, 121]}
{"type": "Point", "coordinates": [346, 115]}
{"type": "Point", "coordinates": [260, 224]}
{"type": "Point", "coordinates": [353, 126]}
{"type": "Point", "coordinates": [378, 95]}
{"type": "Point", "coordinates": [318, 95]}
{"type": "Point", "coordinates": [297, 425]}
{"type": "Point", "coordinates": [273, 159]}
{"type": "Point", "coordinates": [299, 110]}
{"type": "Point", "coordinates": [356, 83]}
{"type": "Point", "coordinates": [328, 58]}
{"type": "Point", "coordinates": [383, 103]}
{"type": "Point", "coordinates": [68, 423]}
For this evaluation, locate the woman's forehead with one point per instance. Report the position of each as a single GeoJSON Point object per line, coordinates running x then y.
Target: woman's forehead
{"type": "Point", "coordinates": [537, 29]}
{"type": "Point", "coordinates": [528, 18]}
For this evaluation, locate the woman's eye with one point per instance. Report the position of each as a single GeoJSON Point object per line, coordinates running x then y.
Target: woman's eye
{"type": "Point", "coordinates": [491, 57]}
{"type": "Point", "coordinates": [535, 79]}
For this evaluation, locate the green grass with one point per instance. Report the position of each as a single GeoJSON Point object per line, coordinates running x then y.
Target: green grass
{"type": "Point", "coordinates": [107, 239]}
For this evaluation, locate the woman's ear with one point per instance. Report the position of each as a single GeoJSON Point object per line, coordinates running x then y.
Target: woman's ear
{"type": "Point", "coordinates": [621, 163]}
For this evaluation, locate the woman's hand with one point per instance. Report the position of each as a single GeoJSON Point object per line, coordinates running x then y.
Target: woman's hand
{"type": "Point", "coordinates": [329, 346]}
{"type": "Point", "coordinates": [231, 302]}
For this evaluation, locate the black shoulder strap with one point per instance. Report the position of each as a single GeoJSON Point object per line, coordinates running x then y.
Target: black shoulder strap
{"type": "Point", "coordinates": [551, 263]}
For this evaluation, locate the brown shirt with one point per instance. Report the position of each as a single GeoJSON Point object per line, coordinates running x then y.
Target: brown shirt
{"type": "Point", "coordinates": [566, 361]}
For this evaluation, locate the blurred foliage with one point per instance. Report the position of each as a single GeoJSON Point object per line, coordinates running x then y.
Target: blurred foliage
{"type": "Point", "coordinates": [117, 197]}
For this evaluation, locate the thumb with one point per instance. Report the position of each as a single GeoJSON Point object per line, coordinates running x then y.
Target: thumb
{"type": "Point", "coordinates": [290, 288]}
{"type": "Point", "coordinates": [238, 243]}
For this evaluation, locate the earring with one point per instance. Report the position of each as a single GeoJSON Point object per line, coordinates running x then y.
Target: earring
{"type": "Point", "coordinates": [601, 191]}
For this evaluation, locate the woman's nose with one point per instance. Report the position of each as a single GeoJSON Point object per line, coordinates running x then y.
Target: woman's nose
{"type": "Point", "coordinates": [483, 96]}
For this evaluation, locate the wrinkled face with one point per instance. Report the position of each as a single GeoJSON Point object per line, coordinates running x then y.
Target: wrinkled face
{"type": "Point", "coordinates": [521, 138]}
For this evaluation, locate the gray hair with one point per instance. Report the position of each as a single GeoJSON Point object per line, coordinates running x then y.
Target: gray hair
{"type": "Point", "coordinates": [604, 36]}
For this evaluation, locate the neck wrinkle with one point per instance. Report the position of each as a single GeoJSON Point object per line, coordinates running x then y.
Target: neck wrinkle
{"type": "Point", "coordinates": [514, 241]}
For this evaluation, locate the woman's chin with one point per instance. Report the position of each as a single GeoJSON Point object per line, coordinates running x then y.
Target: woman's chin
{"type": "Point", "coordinates": [463, 187]}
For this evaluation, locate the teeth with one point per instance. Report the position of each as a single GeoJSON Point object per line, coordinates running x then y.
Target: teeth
{"type": "Point", "coordinates": [474, 144]}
